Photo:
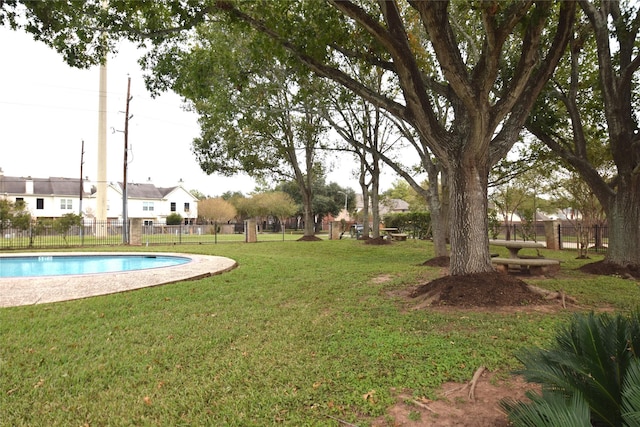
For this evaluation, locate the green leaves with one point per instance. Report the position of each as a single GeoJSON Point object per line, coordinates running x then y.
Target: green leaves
{"type": "Point", "coordinates": [593, 362]}
{"type": "Point", "coordinates": [552, 409]}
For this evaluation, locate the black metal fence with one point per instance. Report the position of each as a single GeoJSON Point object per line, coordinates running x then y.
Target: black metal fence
{"type": "Point", "coordinates": [110, 233]}
{"type": "Point", "coordinates": [45, 236]}
{"type": "Point", "coordinates": [569, 236]}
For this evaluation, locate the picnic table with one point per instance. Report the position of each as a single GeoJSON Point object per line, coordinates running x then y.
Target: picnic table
{"type": "Point", "coordinates": [514, 246]}
{"type": "Point", "coordinates": [536, 266]}
{"type": "Point", "coordinates": [392, 233]}
{"type": "Point", "coordinates": [388, 231]}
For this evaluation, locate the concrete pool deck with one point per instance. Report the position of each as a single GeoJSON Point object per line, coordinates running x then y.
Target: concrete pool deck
{"type": "Point", "coordinates": [15, 291]}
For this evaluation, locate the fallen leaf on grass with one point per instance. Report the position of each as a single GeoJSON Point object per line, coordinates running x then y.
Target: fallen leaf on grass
{"type": "Point", "coordinates": [369, 395]}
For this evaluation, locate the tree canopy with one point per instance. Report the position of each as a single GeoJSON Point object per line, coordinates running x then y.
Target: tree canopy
{"type": "Point", "coordinates": [488, 61]}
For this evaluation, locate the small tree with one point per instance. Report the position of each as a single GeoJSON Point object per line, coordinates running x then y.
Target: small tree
{"type": "Point", "coordinates": [6, 215]}
{"type": "Point", "coordinates": [494, 224]}
{"type": "Point", "coordinates": [21, 216]}
{"type": "Point", "coordinates": [38, 227]}
{"type": "Point", "coordinates": [281, 205]}
{"type": "Point", "coordinates": [216, 210]}
{"type": "Point", "coordinates": [63, 224]}
{"type": "Point", "coordinates": [582, 209]}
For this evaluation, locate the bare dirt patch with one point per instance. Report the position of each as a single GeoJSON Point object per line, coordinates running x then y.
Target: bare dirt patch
{"type": "Point", "coordinates": [454, 406]}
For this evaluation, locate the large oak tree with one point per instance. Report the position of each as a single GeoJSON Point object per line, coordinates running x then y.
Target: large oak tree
{"type": "Point", "coordinates": [589, 117]}
{"type": "Point", "coordinates": [488, 60]}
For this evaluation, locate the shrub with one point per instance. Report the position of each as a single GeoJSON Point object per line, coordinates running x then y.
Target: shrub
{"type": "Point", "coordinates": [592, 370]}
{"type": "Point", "coordinates": [418, 224]}
{"type": "Point", "coordinates": [174, 219]}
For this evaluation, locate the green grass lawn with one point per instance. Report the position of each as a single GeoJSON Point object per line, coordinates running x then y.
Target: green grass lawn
{"type": "Point", "coordinates": [298, 334]}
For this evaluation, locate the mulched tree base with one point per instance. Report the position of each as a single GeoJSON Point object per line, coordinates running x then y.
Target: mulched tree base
{"type": "Point", "coordinates": [479, 290]}
{"type": "Point", "coordinates": [441, 261]}
{"type": "Point", "coordinates": [377, 241]}
{"type": "Point", "coordinates": [309, 239]}
{"type": "Point", "coordinates": [604, 268]}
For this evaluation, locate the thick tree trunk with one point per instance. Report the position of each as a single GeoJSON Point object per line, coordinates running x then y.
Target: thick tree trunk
{"type": "Point", "coordinates": [375, 199]}
{"type": "Point", "coordinates": [468, 215]}
{"type": "Point", "coordinates": [445, 209]}
{"type": "Point", "coordinates": [309, 218]}
{"type": "Point", "coordinates": [309, 223]}
{"type": "Point", "coordinates": [623, 218]}
{"type": "Point", "coordinates": [375, 214]}
{"type": "Point", "coordinates": [438, 228]}
{"type": "Point", "coordinates": [365, 199]}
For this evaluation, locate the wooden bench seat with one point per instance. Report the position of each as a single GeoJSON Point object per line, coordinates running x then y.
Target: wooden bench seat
{"type": "Point", "coordinates": [398, 236]}
{"type": "Point", "coordinates": [535, 266]}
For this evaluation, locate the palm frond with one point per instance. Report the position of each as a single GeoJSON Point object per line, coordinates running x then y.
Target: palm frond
{"type": "Point", "coordinates": [551, 409]}
{"type": "Point", "coordinates": [591, 356]}
{"type": "Point", "coordinates": [631, 395]}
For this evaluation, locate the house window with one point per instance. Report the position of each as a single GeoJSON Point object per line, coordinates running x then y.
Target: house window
{"type": "Point", "coordinates": [186, 207]}
{"type": "Point", "coordinates": [147, 206]}
{"type": "Point", "coordinates": [148, 223]}
{"type": "Point", "coordinates": [66, 204]}
{"type": "Point", "coordinates": [39, 203]}
{"type": "Point", "coordinates": [173, 206]}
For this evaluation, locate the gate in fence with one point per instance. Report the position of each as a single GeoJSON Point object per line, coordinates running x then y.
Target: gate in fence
{"type": "Point", "coordinates": [560, 235]}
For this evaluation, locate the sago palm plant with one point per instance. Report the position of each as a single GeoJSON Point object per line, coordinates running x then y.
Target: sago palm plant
{"type": "Point", "coordinates": [590, 376]}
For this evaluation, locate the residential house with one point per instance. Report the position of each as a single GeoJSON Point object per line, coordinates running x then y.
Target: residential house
{"type": "Point", "coordinates": [153, 204]}
{"type": "Point", "coordinates": [53, 197]}
{"type": "Point", "coordinates": [45, 197]}
{"type": "Point", "coordinates": [385, 207]}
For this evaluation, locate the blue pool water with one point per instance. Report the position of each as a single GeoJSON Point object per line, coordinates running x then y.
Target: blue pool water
{"type": "Point", "coordinates": [60, 265]}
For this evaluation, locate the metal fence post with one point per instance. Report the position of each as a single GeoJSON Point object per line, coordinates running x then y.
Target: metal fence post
{"type": "Point", "coordinates": [559, 236]}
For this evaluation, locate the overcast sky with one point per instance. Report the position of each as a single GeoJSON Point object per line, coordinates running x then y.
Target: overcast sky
{"type": "Point", "coordinates": [47, 108]}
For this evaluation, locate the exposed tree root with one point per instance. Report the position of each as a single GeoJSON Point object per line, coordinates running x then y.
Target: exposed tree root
{"type": "Point", "coordinates": [474, 382]}
{"type": "Point", "coordinates": [549, 295]}
{"type": "Point", "coordinates": [422, 405]}
{"type": "Point", "coordinates": [342, 421]}
{"type": "Point", "coordinates": [471, 384]}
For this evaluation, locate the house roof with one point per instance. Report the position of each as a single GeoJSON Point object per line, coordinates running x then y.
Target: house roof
{"type": "Point", "coordinates": [57, 186]}
{"type": "Point", "coordinates": [147, 191]}
{"type": "Point", "coordinates": [41, 186]}
{"type": "Point", "coordinates": [166, 190]}
{"type": "Point", "coordinates": [142, 191]}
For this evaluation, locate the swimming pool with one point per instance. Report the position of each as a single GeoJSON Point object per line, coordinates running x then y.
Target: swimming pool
{"type": "Point", "coordinates": [50, 265]}
{"type": "Point", "coordinates": [15, 291]}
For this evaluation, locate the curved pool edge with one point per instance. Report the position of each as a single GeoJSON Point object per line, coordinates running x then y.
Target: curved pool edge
{"type": "Point", "coordinates": [17, 291]}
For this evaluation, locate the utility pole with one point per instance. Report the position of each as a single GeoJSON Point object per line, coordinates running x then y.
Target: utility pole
{"type": "Point", "coordinates": [125, 216]}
